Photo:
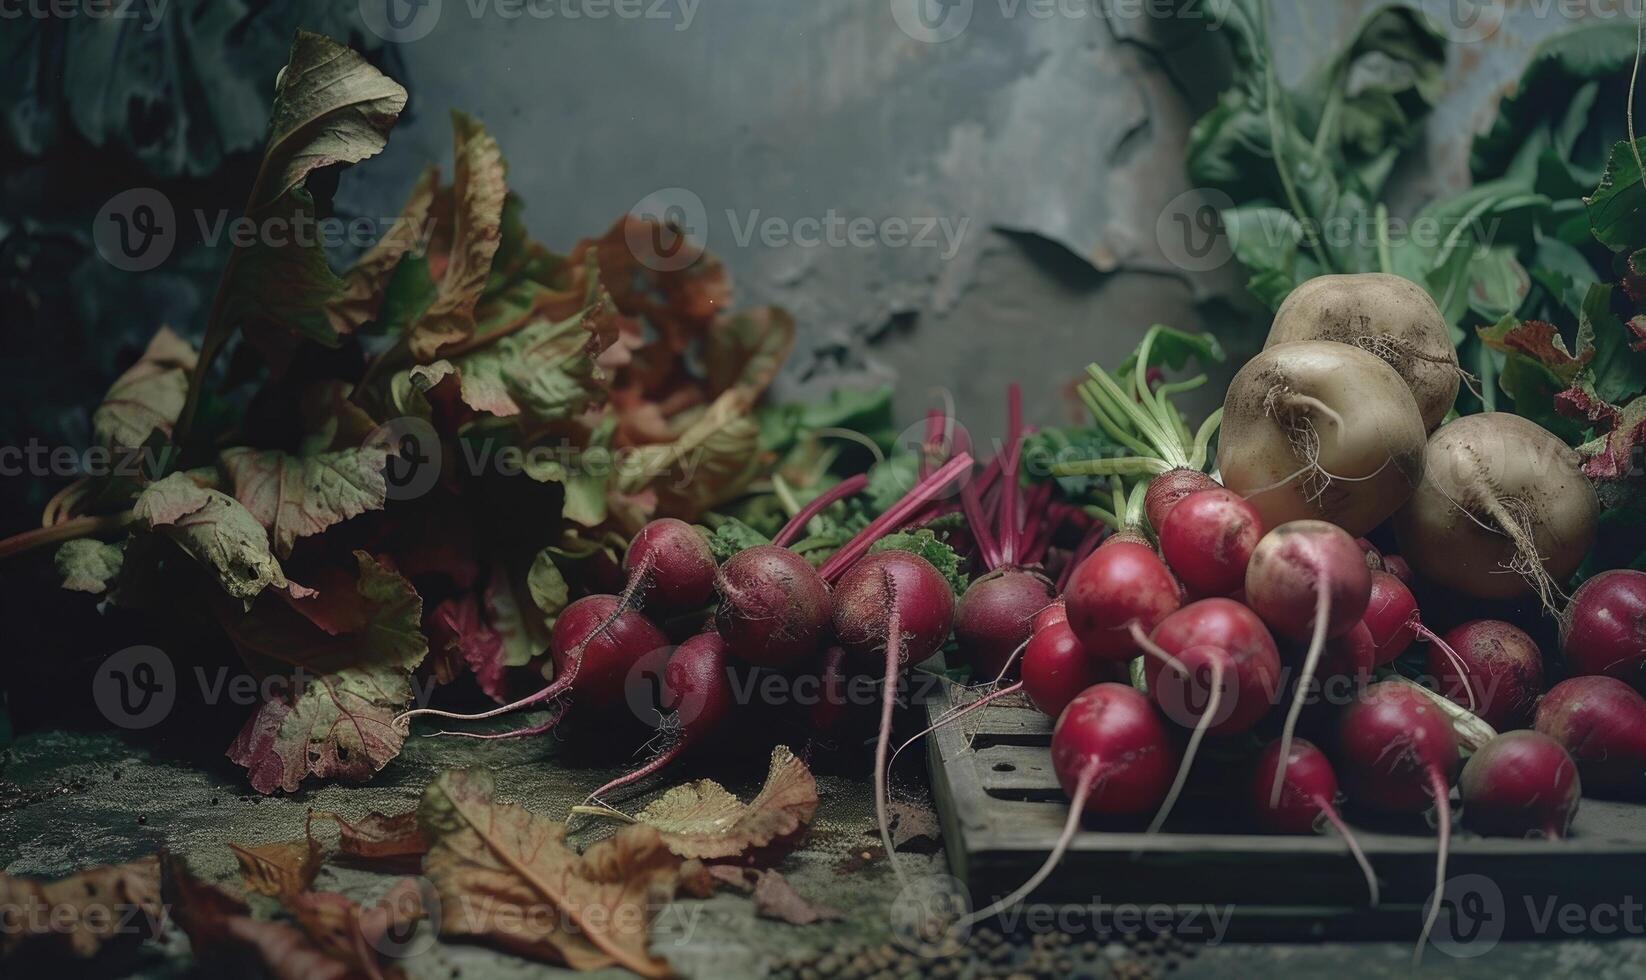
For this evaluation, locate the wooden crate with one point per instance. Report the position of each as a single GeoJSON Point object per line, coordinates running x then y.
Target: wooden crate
{"type": "Point", "coordinates": [1002, 809]}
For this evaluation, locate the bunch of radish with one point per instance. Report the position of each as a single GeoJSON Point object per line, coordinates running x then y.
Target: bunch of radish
{"type": "Point", "coordinates": [1241, 591]}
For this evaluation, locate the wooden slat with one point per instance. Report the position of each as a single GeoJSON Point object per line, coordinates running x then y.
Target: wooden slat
{"type": "Point", "coordinates": [1002, 808]}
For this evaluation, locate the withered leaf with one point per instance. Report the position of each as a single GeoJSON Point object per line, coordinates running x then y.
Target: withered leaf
{"type": "Point", "coordinates": [498, 868]}
{"type": "Point", "coordinates": [775, 898]}
{"type": "Point", "coordinates": [281, 869]}
{"type": "Point", "coordinates": [366, 282]}
{"type": "Point", "coordinates": [296, 496]}
{"type": "Point", "coordinates": [148, 397]}
{"type": "Point", "coordinates": [703, 820]}
{"type": "Point", "coordinates": [381, 839]}
{"type": "Point", "coordinates": [215, 530]}
{"type": "Point", "coordinates": [78, 917]}
{"type": "Point", "coordinates": [89, 566]}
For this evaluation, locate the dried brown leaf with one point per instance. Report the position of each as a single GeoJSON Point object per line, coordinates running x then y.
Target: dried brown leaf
{"type": "Point", "coordinates": [703, 820]}
{"type": "Point", "coordinates": [281, 869]}
{"type": "Point", "coordinates": [78, 917]}
{"type": "Point", "coordinates": [775, 898]}
{"type": "Point", "coordinates": [379, 838]}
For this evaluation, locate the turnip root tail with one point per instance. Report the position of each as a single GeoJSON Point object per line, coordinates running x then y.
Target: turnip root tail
{"type": "Point", "coordinates": [1458, 663]}
{"type": "Point", "coordinates": [1336, 820]}
{"type": "Point", "coordinates": [888, 702]}
{"type": "Point", "coordinates": [1396, 350]}
{"type": "Point", "coordinates": [1528, 561]}
{"type": "Point", "coordinates": [1311, 660]}
{"type": "Point", "coordinates": [1077, 806]}
{"type": "Point", "coordinates": [1292, 410]}
{"type": "Point", "coordinates": [1443, 811]}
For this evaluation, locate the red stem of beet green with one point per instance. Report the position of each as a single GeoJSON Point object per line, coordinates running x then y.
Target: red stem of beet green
{"type": "Point", "coordinates": [1035, 525]}
{"type": "Point", "coordinates": [894, 517]}
{"type": "Point", "coordinates": [1088, 543]}
{"type": "Point", "coordinates": [840, 491]}
{"type": "Point", "coordinates": [656, 765]}
{"type": "Point", "coordinates": [973, 508]}
{"type": "Point", "coordinates": [1009, 533]}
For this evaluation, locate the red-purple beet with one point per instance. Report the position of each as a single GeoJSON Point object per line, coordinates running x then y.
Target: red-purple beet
{"type": "Point", "coordinates": [832, 707]}
{"type": "Point", "coordinates": [1505, 671]}
{"type": "Point", "coordinates": [1390, 615]}
{"type": "Point", "coordinates": [674, 564]}
{"type": "Point", "coordinates": [1056, 669]}
{"type": "Point", "coordinates": [696, 697]}
{"type": "Point", "coordinates": [1601, 721]}
{"type": "Point", "coordinates": [593, 666]}
{"type": "Point", "coordinates": [1603, 630]}
{"type": "Point", "coordinates": [995, 617]}
{"type": "Point", "coordinates": [774, 608]}
{"type": "Point", "coordinates": [1396, 751]}
{"type": "Point", "coordinates": [1170, 487]}
{"type": "Point", "coordinates": [1520, 784]}
{"type": "Point", "coordinates": [866, 597]}
{"type": "Point", "coordinates": [1308, 796]}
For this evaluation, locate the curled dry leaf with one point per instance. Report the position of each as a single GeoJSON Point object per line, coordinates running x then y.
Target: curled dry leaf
{"type": "Point", "coordinates": [775, 898]}
{"type": "Point", "coordinates": [703, 820]}
{"type": "Point", "coordinates": [334, 939]}
{"type": "Point", "coordinates": [282, 869]}
{"type": "Point", "coordinates": [148, 396]}
{"type": "Point", "coordinates": [80, 916]}
{"type": "Point", "coordinates": [497, 866]}
{"type": "Point", "coordinates": [379, 839]}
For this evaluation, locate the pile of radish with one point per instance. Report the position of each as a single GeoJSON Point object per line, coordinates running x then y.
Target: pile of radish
{"type": "Point", "coordinates": [1261, 605]}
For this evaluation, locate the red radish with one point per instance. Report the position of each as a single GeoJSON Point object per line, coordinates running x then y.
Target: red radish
{"type": "Point", "coordinates": [894, 607]}
{"type": "Point", "coordinates": [696, 696]}
{"type": "Point", "coordinates": [596, 641]}
{"type": "Point", "coordinates": [1391, 615]}
{"type": "Point", "coordinates": [1494, 669]}
{"type": "Point", "coordinates": [1603, 630]}
{"type": "Point", "coordinates": [1056, 669]}
{"type": "Point", "coordinates": [774, 608]}
{"type": "Point", "coordinates": [1213, 668]}
{"type": "Point", "coordinates": [1050, 616]}
{"type": "Point", "coordinates": [1114, 756]}
{"type": "Point", "coordinates": [1520, 784]}
{"type": "Point", "coordinates": [1208, 540]}
{"type": "Point", "coordinates": [1346, 666]}
{"type": "Point", "coordinates": [1397, 753]}
{"type": "Point", "coordinates": [672, 564]}
{"type": "Point", "coordinates": [1398, 567]}
{"type": "Point", "coordinates": [1308, 796]}
{"type": "Point", "coordinates": [996, 616]}
{"type": "Point", "coordinates": [1602, 722]}
{"type": "Point", "coordinates": [1168, 489]}
{"type": "Point", "coordinates": [1120, 584]}
{"type": "Point", "coordinates": [1307, 579]}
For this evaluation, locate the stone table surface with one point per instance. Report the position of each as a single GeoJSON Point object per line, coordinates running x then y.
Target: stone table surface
{"type": "Point", "coordinates": [74, 799]}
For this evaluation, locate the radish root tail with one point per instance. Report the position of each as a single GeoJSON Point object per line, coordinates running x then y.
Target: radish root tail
{"type": "Point", "coordinates": [1317, 643]}
{"type": "Point", "coordinates": [1336, 820]}
{"type": "Point", "coordinates": [1443, 811]}
{"type": "Point", "coordinates": [1458, 663]}
{"type": "Point", "coordinates": [888, 702]}
{"type": "Point", "coordinates": [1077, 806]}
{"type": "Point", "coordinates": [1214, 701]}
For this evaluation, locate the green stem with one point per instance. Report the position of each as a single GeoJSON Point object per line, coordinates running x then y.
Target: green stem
{"type": "Point", "coordinates": [1385, 260]}
{"type": "Point", "coordinates": [785, 495]}
{"type": "Point", "coordinates": [1282, 168]}
{"type": "Point", "coordinates": [1089, 393]}
{"type": "Point", "coordinates": [1122, 466]}
{"type": "Point", "coordinates": [1486, 367]}
{"type": "Point", "coordinates": [1203, 440]}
